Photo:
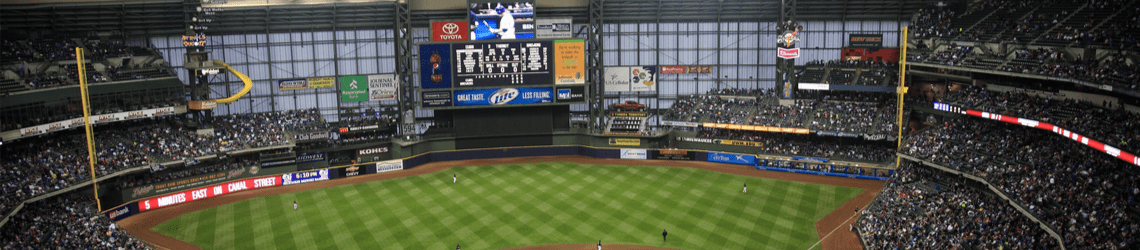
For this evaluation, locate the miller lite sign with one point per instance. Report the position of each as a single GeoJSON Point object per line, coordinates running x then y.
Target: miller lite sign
{"type": "Point", "coordinates": [788, 53]}
{"type": "Point", "coordinates": [449, 31]}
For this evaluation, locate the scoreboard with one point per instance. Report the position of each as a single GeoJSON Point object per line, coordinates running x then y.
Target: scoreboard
{"type": "Point", "coordinates": [501, 72]}
{"type": "Point", "coordinates": [503, 63]}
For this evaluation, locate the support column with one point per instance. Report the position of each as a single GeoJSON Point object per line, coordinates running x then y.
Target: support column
{"type": "Point", "coordinates": [594, 68]}
{"type": "Point", "coordinates": [404, 68]}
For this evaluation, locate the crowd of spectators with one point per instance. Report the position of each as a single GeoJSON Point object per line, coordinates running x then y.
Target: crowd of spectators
{"type": "Point", "coordinates": [199, 169]}
{"type": "Point", "coordinates": [69, 221]}
{"type": "Point", "coordinates": [1107, 122]}
{"type": "Point", "coordinates": [853, 112]}
{"type": "Point", "coordinates": [954, 55]}
{"type": "Point", "coordinates": [44, 53]}
{"type": "Point", "coordinates": [1119, 33]}
{"type": "Point", "coordinates": [1087, 196]}
{"type": "Point", "coordinates": [922, 208]}
{"type": "Point", "coordinates": [800, 145]}
{"type": "Point", "coordinates": [933, 23]}
{"type": "Point", "coordinates": [35, 167]}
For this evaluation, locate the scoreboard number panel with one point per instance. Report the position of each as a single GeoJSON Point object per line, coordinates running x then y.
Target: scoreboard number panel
{"type": "Point", "coordinates": [490, 64]}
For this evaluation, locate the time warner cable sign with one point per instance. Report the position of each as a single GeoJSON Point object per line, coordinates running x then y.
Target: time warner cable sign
{"type": "Point", "coordinates": [304, 177]}
{"type": "Point", "coordinates": [503, 96]}
{"type": "Point", "coordinates": [733, 158]}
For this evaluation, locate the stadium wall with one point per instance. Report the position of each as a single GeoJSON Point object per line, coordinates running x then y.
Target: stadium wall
{"type": "Point", "coordinates": [407, 155]}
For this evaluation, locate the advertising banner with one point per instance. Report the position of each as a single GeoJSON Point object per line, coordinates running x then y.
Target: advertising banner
{"type": "Point", "coordinates": [625, 142]}
{"type": "Point", "coordinates": [756, 128]}
{"type": "Point", "coordinates": [865, 40]}
{"type": "Point", "coordinates": [122, 212]}
{"type": "Point", "coordinates": [207, 192]}
{"type": "Point", "coordinates": [554, 27]}
{"type": "Point", "coordinates": [199, 180]}
{"type": "Point", "coordinates": [382, 87]}
{"type": "Point", "coordinates": [571, 94]}
{"type": "Point", "coordinates": [353, 88]}
{"type": "Point", "coordinates": [809, 158]}
{"type": "Point", "coordinates": [449, 31]}
{"type": "Point", "coordinates": [435, 66]}
{"type": "Point", "coordinates": [788, 53]}
{"type": "Point", "coordinates": [678, 69]}
{"type": "Point", "coordinates": [636, 78]}
{"type": "Point", "coordinates": [350, 171]}
{"type": "Point", "coordinates": [740, 143]}
{"type": "Point", "coordinates": [680, 124]}
{"type": "Point", "coordinates": [292, 84]}
{"type": "Point", "coordinates": [701, 140]}
{"type": "Point", "coordinates": [310, 157]}
{"type": "Point", "coordinates": [390, 165]}
{"type": "Point", "coordinates": [372, 151]}
{"type": "Point", "coordinates": [320, 82]}
{"type": "Point", "coordinates": [730, 158]}
{"type": "Point", "coordinates": [836, 134]}
{"type": "Point", "coordinates": [304, 177]}
{"type": "Point", "coordinates": [434, 99]}
{"type": "Point", "coordinates": [569, 62]}
{"type": "Point", "coordinates": [673, 154]}
{"type": "Point", "coordinates": [616, 79]}
{"type": "Point", "coordinates": [312, 136]}
{"type": "Point", "coordinates": [503, 96]}
{"type": "Point", "coordinates": [634, 153]}
{"type": "Point", "coordinates": [97, 119]}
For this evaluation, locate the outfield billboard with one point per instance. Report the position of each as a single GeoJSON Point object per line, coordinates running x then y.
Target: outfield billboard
{"type": "Point", "coordinates": [673, 154]}
{"type": "Point", "coordinates": [730, 158]}
{"type": "Point", "coordinates": [634, 153]}
{"type": "Point", "coordinates": [207, 192]}
{"type": "Point", "coordinates": [200, 180]}
{"type": "Point", "coordinates": [391, 165]}
{"type": "Point", "coordinates": [304, 177]}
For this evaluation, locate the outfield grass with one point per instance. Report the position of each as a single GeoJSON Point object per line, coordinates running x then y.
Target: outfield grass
{"type": "Point", "coordinates": [501, 206]}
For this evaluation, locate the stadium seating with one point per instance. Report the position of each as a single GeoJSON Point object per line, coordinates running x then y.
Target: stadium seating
{"type": "Point", "coordinates": [921, 208]}
{"type": "Point", "coordinates": [1081, 193]}
{"type": "Point", "coordinates": [1107, 123]}
{"type": "Point", "coordinates": [65, 222]}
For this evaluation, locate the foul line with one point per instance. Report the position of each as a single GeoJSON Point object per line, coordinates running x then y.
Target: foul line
{"type": "Point", "coordinates": [832, 231]}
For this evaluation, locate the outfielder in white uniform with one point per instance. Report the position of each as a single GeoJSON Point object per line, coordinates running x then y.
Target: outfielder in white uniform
{"type": "Point", "coordinates": [453, 178]}
{"type": "Point", "coordinates": [294, 205]}
{"type": "Point", "coordinates": [745, 187]}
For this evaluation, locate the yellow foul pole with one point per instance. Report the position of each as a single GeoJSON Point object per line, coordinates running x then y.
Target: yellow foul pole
{"type": "Point", "coordinates": [87, 124]}
{"type": "Point", "coordinates": [902, 93]}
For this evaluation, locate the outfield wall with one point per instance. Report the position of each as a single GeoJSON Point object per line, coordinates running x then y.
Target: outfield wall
{"type": "Point", "coordinates": [200, 190]}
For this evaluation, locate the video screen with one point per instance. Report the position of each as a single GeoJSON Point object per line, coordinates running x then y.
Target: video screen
{"type": "Point", "coordinates": [501, 20]}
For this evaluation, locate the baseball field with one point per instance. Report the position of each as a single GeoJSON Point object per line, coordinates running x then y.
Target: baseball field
{"type": "Point", "coordinates": [525, 204]}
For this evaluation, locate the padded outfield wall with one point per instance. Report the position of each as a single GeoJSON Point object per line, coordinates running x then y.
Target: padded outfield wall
{"type": "Point", "coordinates": [406, 155]}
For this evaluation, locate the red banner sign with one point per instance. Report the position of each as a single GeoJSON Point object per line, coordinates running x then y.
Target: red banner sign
{"type": "Point", "coordinates": [207, 192]}
{"type": "Point", "coordinates": [449, 31]}
{"type": "Point", "coordinates": [788, 53]}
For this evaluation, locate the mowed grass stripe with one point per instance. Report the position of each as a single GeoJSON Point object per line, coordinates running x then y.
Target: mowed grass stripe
{"type": "Point", "coordinates": [502, 206]}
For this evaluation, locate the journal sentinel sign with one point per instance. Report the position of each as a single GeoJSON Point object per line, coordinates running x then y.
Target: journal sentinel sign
{"type": "Point", "coordinates": [503, 96]}
{"type": "Point", "coordinates": [733, 158]}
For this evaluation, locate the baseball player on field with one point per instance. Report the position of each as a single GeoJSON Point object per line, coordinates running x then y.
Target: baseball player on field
{"type": "Point", "coordinates": [294, 204]}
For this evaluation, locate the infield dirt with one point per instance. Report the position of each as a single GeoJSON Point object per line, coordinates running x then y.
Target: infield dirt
{"type": "Point", "coordinates": [834, 223]}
